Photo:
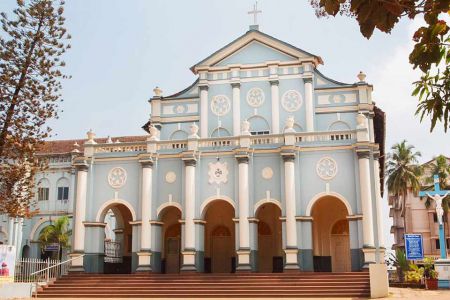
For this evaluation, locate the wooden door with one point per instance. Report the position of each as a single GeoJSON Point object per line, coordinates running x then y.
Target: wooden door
{"type": "Point", "coordinates": [221, 250]}
{"type": "Point", "coordinates": [266, 253]}
{"type": "Point", "coordinates": [340, 252]}
{"type": "Point", "coordinates": [173, 255]}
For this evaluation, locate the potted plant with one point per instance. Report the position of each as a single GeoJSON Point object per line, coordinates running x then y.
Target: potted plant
{"type": "Point", "coordinates": [430, 274]}
{"type": "Point", "coordinates": [415, 274]}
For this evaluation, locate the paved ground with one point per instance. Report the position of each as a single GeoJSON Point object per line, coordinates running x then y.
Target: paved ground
{"type": "Point", "coordinates": [395, 293]}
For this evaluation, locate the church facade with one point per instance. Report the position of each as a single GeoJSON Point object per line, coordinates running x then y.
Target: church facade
{"type": "Point", "coordinates": [263, 164]}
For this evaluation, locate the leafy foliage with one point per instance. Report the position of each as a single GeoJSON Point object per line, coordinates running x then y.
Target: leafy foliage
{"type": "Point", "coordinates": [31, 47]}
{"type": "Point", "coordinates": [440, 167]}
{"type": "Point", "coordinates": [58, 233]}
{"type": "Point", "coordinates": [415, 274]}
{"type": "Point", "coordinates": [400, 262]}
{"type": "Point", "coordinates": [429, 271]}
{"type": "Point", "coordinates": [430, 49]}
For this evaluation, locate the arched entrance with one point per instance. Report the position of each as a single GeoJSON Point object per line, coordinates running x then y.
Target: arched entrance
{"type": "Point", "coordinates": [331, 242]}
{"type": "Point", "coordinates": [26, 251]}
{"type": "Point", "coordinates": [171, 239]}
{"type": "Point", "coordinates": [219, 238]}
{"type": "Point", "coordinates": [270, 249]}
{"type": "Point", "coordinates": [118, 245]}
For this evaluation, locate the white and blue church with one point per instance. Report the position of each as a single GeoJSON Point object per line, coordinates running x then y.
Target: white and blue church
{"type": "Point", "coordinates": [263, 164]}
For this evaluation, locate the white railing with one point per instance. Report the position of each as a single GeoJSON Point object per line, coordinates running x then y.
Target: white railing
{"type": "Point", "coordinates": [229, 141]}
{"type": "Point", "coordinates": [37, 270]}
{"type": "Point", "coordinates": [120, 147]}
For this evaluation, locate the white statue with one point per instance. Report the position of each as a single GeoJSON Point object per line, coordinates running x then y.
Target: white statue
{"type": "Point", "coordinates": [154, 133]}
{"type": "Point", "coordinates": [289, 124]}
{"type": "Point", "coordinates": [194, 131]}
{"type": "Point", "coordinates": [245, 127]}
{"type": "Point", "coordinates": [439, 210]}
{"type": "Point", "coordinates": [90, 136]}
{"type": "Point", "coordinates": [361, 120]}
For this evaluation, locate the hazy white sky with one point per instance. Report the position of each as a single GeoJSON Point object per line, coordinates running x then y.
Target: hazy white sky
{"type": "Point", "coordinates": [122, 49]}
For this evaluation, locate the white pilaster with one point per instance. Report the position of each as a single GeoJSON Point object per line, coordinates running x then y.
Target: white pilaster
{"type": "Point", "coordinates": [366, 198]}
{"type": "Point", "coordinates": [204, 111]}
{"type": "Point", "coordinates": [144, 263]}
{"type": "Point", "coordinates": [291, 223]}
{"type": "Point", "coordinates": [10, 231]}
{"type": "Point", "coordinates": [16, 232]}
{"type": "Point", "coordinates": [19, 237]}
{"type": "Point", "coordinates": [189, 225]}
{"type": "Point", "coordinates": [236, 108]}
{"type": "Point", "coordinates": [80, 214]}
{"type": "Point", "coordinates": [244, 225]}
{"type": "Point", "coordinates": [309, 105]}
{"type": "Point", "coordinates": [378, 200]}
{"type": "Point", "coordinates": [275, 93]}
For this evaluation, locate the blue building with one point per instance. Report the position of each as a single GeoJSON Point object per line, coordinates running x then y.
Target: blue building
{"type": "Point", "coordinates": [263, 164]}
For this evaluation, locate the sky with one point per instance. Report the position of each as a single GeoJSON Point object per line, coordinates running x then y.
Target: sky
{"type": "Point", "coordinates": [121, 50]}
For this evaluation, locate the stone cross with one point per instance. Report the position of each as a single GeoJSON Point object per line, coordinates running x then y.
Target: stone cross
{"type": "Point", "coordinates": [255, 13]}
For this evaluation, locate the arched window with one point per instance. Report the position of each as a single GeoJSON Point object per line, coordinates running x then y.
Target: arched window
{"type": "Point", "coordinates": [63, 189]}
{"type": "Point", "coordinates": [220, 132]}
{"type": "Point", "coordinates": [43, 189]}
{"type": "Point", "coordinates": [179, 135]}
{"type": "Point", "coordinates": [259, 125]}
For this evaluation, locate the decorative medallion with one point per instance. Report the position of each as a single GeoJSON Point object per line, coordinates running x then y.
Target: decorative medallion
{"type": "Point", "coordinates": [218, 172]}
{"type": "Point", "coordinates": [171, 177]}
{"type": "Point", "coordinates": [267, 173]}
{"type": "Point", "coordinates": [117, 177]}
{"type": "Point", "coordinates": [220, 105]}
{"type": "Point", "coordinates": [179, 109]}
{"type": "Point", "coordinates": [291, 101]}
{"type": "Point", "coordinates": [337, 98]}
{"type": "Point", "coordinates": [326, 168]}
{"type": "Point", "coordinates": [255, 97]}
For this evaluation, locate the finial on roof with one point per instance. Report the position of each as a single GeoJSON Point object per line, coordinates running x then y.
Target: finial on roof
{"type": "Point", "coordinates": [109, 140]}
{"type": "Point", "coordinates": [255, 13]}
{"type": "Point", "coordinates": [361, 76]}
{"type": "Point", "coordinates": [90, 135]}
{"type": "Point", "coordinates": [157, 91]}
{"type": "Point", "coordinates": [75, 148]}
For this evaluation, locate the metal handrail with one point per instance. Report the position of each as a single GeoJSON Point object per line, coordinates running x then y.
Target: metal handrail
{"type": "Point", "coordinates": [58, 264]}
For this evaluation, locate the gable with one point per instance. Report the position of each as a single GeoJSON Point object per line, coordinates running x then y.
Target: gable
{"type": "Point", "coordinates": [253, 53]}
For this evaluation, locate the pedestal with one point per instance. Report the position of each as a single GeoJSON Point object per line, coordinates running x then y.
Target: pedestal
{"type": "Point", "coordinates": [144, 261]}
{"type": "Point", "coordinates": [442, 266]}
{"type": "Point", "coordinates": [188, 261]}
{"type": "Point", "coordinates": [369, 257]}
{"type": "Point", "coordinates": [291, 259]}
{"type": "Point", "coordinates": [243, 261]}
{"type": "Point", "coordinates": [77, 264]}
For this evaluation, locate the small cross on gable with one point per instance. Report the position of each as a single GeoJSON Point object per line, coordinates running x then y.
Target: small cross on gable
{"type": "Point", "coordinates": [255, 13]}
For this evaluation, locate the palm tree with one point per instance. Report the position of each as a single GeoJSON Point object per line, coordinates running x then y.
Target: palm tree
{"type": "Point", "coordinates": [57, 233]}
{"type": "Point", "coordinates": [439, 167]}
{"type": "Point", "coordinates": [403, 173]}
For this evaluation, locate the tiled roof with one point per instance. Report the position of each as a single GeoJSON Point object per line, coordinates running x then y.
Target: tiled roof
{"type": "Point", "coordinates": [66, 146]}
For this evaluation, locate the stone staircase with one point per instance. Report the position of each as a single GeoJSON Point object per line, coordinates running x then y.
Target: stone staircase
{"type": "Point", "coordinates": [353, 284]}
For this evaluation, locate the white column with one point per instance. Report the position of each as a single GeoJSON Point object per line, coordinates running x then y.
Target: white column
{"type": "Point", "coordinates": [10, 231]}
{"type": "Point", "coordinates": [275, 93]}
{"type": "Point", "coordinates": [236, 108]}
{"type": "Point", "coordinates": [19, 237]}
{"type": "Point", "coordinates": [144, 256]}
{"type": "Point", "coordinates": [244, 226]}
{"type": "Point", "coordinates": [309, 105]}
{"type": "Point", "coordinates": [366, 205]}
{"type": "Point", "coordinates": [378, 199]}
{"type": "Point", "coordinates": [80, 216]}
{"type": "Point", "coordinates": [204, 111]}
{"type": "Point", "coordinates": [16, 232]}
{"type": "Point", "coordinates": [189, 215]}
{"type": "Point", "coordinates": [291, 223]}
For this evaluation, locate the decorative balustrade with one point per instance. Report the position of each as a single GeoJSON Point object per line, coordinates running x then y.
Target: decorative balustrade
{"type": "Point", "coordinates": [303, 138]}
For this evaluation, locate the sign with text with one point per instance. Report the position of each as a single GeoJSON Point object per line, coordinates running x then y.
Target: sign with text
{"type": "Point", "coordinates": [7, 263]}
{"type": "Point", "coordinates": [413, 246]}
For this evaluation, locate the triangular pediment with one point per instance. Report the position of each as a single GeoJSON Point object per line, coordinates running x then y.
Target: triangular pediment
{"type": "Point", "coordinates": [255, 47]}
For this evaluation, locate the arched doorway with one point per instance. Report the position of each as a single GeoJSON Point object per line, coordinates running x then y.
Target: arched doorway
{"type": "Point", "coordinates": [270, 249]}
{"type": "Point", "coordinates": [331, 242]}
{"type": "Point", "coordinates": [171, 239]}
{"type": "Point", "coordinates": [26, 251]}
{"type": "Point", "coordinates": [118, 245]}
{"type": "Point", "coordinates": [219, 238]}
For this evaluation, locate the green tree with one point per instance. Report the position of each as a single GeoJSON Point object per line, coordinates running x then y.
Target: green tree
{"type": "Point", "coordinates": [403, 172]}
{"type": "Point", "coordinates": [31, 46]}
{"type": "Point", "coordinates": [56, 233]}
{"type": "Point", "coordinates": [431, 50]}
{"type": "Point", "coordinates": [439, 167]}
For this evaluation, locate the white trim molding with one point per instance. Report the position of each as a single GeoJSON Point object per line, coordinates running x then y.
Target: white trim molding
{"type": "Point", "coordinates": [109, 204]}
{"type": "Point", "coordinates": [330, 194]}
{"type": "Point", "coordinates": [265, 201]}
{"type": "Point", "coordinates": [211, 199]}
{"type": "Point", "coordinates": [166, 205]}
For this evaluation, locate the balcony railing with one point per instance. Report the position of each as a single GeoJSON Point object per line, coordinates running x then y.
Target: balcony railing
{"type": "Point", "coordinates": [301, 138]}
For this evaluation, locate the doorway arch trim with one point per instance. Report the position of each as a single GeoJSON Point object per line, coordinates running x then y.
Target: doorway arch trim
{"type": "Point", "coordinates": [163, 206]}
{"type": "Point", "coordinates": [108, 204]}
{"type": "Point", "coordinates": [211, 199]}
{"type": "Point", "coordinates": [265, 201]}
{"type": "Point", "coordinates": [324, 194]}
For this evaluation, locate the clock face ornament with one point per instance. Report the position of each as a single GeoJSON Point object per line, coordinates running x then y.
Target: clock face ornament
{"type": "Point", "coordinates": [326, 168]}
{"type": "Point", "coordinates": [117, 177]}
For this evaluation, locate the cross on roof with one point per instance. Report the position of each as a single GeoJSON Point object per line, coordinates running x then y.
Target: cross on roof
{"type": "Point", "coordinates": [255, 13]}
{"type": "Point", "coordinates": [437, 189]}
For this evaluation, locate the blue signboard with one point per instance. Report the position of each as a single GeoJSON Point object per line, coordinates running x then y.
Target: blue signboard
{"type": "Point", "coordinates": [413, 246]}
